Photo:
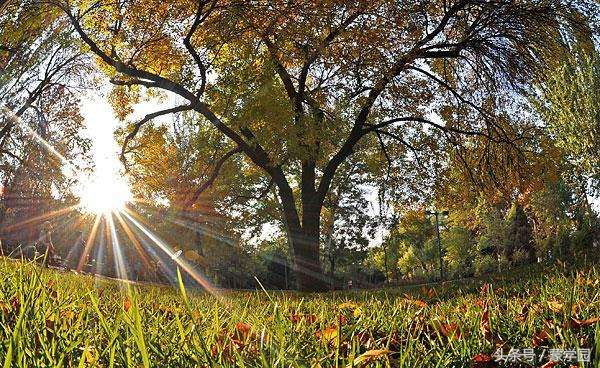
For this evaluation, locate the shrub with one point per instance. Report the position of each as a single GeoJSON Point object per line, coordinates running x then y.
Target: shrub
{"type": "Point", "coordinates": [484, 265]}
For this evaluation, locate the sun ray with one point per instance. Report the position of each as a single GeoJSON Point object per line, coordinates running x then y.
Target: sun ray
{"type": "Point", "coordinates": [17, 121]}
{"type": "Point", "coordinates": [89, 243]}
{"type": "Point", "coordinates": [39, 218]}
{"type": "Point", "coordinates": [169, 251]}
{"type": "Point", "coordinates": [139, 248]}
{"type": "Point", "coordinates": [118, 258]}
{"type": "Point", "coordinates": [100, 249]}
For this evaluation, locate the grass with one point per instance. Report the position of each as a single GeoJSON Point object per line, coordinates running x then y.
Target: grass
{"type": "Point", "coordinates": [52, 319]}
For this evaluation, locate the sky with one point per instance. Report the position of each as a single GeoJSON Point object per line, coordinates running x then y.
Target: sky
{"type": "Point", "coordinates": [107, 187]}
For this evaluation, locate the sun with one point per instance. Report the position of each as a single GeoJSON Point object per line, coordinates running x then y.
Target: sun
{"type": "Point", "coordinates": [104, 195]}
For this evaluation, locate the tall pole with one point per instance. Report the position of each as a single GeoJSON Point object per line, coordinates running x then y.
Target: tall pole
{"type": "Point", "coordinates": [439, 243]}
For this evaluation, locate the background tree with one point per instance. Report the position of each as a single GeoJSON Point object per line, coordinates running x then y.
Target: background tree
{"type": "Point", "coordinates": [570, 107]}
{"type": "Point", "coordinates": [41, 69]}
{"type": "Point", "coordinates": [519, 242]}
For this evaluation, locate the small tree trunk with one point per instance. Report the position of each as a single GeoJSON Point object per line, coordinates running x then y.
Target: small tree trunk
{"type": "Point", "coordinates": [331, 271]}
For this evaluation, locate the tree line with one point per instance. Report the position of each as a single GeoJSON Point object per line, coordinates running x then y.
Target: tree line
{"type": "Point", "coordinates": [296, 114]}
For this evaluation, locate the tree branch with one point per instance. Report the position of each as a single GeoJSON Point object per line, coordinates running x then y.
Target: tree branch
{"type": "Point", "coordinates": [285, 77]}
{"type": "Point", "coordinates": [211, 178]}
{"type": "Point", "coordinates": [260, 195]}
{"type": "Point", "coordinates": [444, 128]}
{"type": "Point", "coordinates": [147, 118]}
{"type": "Point", "coordinates": [199, 18]}
{"type": "Point", "coordinates": [396, 137]}
{"type": "Point", "coordinates": [255, 152]}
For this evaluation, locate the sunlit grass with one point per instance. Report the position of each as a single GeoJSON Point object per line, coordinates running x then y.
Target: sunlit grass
{"type": "Point", "coordinates": [61, 319]}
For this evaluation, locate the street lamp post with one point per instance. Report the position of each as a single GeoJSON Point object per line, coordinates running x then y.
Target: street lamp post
{"type": "Point", "coordinates": [437, 215]}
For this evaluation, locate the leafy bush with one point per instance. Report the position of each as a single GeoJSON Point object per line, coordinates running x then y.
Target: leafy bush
{"type": "Point", "coordinates": [485, 264]}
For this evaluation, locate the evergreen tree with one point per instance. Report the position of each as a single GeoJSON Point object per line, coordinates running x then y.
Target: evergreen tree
{"type": "Point", "coordinates": [520, 235]}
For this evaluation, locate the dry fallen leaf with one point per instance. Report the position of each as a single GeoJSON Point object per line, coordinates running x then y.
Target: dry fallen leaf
{"type": "Point", "coordinates": [480, 303]}
{"type": "Point", "coordinates": [368, 357]}
{"type": "Point", "coordinates": [449, 330]}
{"type": "Point", "coordinates": [549, 364]}
{"type": "Point", "coordinates": [578, 323]}
{"type": "Point", "coordinates": [555, 306]}
{"type": "Point", "coordinates": [539, 339]}
{"type": "Point", "coordinates": [307, 318]}
{"type": "Point", "coordinates": [483, 361]}
{"type": "Point", "coordinates": [127, 305]}
{"type": "Point", "coordinates": [243, 328]}
{"type": "Point", "coordinates": [485, 325]}
{"type": "Point", "coordinates": [418, 302]}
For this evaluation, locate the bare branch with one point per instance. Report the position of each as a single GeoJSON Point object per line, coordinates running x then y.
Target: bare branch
{"type": "Point", "coordinates": [444, 128]}
{"type": "Point", "coordinates": [10, 154]}
{"type": "Point", "coordinates": [396, 137]}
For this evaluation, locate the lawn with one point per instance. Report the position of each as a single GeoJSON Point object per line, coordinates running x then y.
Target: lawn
{"type": "Point", "coordinates": [49, 318]}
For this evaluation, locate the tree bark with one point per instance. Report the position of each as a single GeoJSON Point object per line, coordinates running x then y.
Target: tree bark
{"type": "Point", "coordinates": [303, 235]}
{"type": "Point", "coordinates": [307, 264]}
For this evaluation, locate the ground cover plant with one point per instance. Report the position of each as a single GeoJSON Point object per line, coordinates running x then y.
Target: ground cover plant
{"type": "Point", "coordinates": [51, 318]}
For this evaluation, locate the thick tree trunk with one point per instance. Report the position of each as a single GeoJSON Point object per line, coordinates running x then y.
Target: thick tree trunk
{"type": "Point", "coordinates": [307, 264]}
{"type": "Point", "coordinates": [303, 233]}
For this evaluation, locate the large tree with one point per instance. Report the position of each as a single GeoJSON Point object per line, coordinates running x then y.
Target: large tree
{"type": "Point", "coordinates": [295, 87]}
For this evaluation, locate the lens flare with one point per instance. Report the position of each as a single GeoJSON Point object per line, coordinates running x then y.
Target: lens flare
{"type": "Point", "coordinates": [104, 195]}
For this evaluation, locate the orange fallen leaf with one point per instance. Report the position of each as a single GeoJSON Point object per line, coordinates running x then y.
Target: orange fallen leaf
{"type": "Point", "coordinates": [420, 303]}
{"type": "Point", "coordinates": [485, 325]}
{"type": "Point", "coordinates": [243, 328]}
{"type": "Point", "coordinates": [480, 303]}
{"type": "Point", "coordinates": [127, 305]}
{"type": "Point", "coordinates": [307, 318]}
{"type": "Point", "coordinates": [482, 360]}
{"type": "Point", "coordinates": [327, 335]}
{"type": "Point", "coordinates": [449, 330]}
{"type": "Point", "coordinates": [549, 364]}
{"type": "Point", "coordinates": [431, 293]}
